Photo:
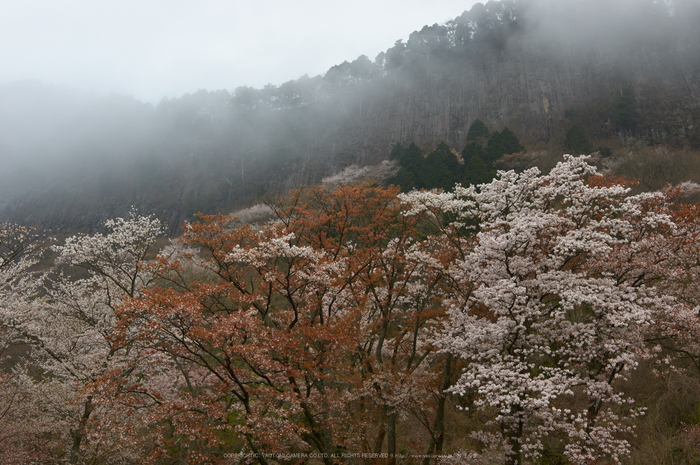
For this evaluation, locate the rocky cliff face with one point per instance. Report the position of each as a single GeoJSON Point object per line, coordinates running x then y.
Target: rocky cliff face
{"type": "Point", "coordinates": [530, 88]}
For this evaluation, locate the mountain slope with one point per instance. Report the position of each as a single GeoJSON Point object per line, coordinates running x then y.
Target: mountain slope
{"type": "Point", "coordinates": [618, 71]}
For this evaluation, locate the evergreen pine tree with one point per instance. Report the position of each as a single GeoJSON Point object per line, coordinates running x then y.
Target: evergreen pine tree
{"type": "Point", "coordinates": [577, 142]}
{"type": "Point", "coordinates": [472, 149]}
{"type": "Point", "coordinates": [510, 142]}
{"type": "Point", "coordinates": [476, 130]}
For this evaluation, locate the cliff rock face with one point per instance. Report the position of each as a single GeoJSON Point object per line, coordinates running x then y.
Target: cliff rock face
{"type": "Point", "coordinates": [529, 86]}
{"type": "Point", "coordinates": [628, 68]}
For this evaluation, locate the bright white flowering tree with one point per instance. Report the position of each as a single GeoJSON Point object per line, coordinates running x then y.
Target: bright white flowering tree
{"type": "Point", "coordinates": [549, 320]}
{"type": "Point", "coordinates": [20, 248]}
{"type": "Point", "coordinates": [70, 326]}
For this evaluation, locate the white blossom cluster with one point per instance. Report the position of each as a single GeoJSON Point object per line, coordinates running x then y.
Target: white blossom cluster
{"type": "Point", "coordinates": [355, 174]}
{"type": "Point", "coordinates": [71, 323]}
{"type": "Point", "coordinates": [546, 321]}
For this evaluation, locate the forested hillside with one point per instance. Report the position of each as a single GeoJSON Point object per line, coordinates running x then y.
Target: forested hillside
{"type": "Point", "coordinates": [490, 300]}
{"type": "Point", "coordinates": [622, 75]}
{"type": "Point", "coordinates": [541, 319]}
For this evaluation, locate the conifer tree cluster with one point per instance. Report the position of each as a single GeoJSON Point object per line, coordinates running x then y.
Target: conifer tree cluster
{"type": "Point", "coordinates": [443, 167]}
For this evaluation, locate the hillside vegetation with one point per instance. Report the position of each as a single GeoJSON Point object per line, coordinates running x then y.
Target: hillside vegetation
{"type": "Point", "coordinates": [489, 300]}
{"type": "Point", "coordinates": [563, 76]}
{"type": "Point", "coordinates": [541, 319]}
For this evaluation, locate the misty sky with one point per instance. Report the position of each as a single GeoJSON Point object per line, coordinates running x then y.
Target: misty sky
{"type": "Point", "coordinates": [155, 48]}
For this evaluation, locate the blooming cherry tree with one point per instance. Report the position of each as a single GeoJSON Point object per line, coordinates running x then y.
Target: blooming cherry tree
{"type": "Point", "coordinates": [548, 322]}
{"type": "Point", "coordinates": [20, 248]}
{"type": "Point", "coordinates": [70, 328]}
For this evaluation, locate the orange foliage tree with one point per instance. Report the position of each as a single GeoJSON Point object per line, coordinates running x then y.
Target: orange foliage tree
{"type": "Point", "coordinates": [308, 334]}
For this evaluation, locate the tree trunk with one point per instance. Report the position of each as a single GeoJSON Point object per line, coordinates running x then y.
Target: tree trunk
{"type": "Point", "coordinates": [380, 437]}
{"type": "Point", "coordinates": [391, 437]}
{"type": "Point", "coordinates": [438, 438]}
{"type": "Point", "coordinates": [79, 434]}
{"type": "Point", "coordinates": [513, 435]}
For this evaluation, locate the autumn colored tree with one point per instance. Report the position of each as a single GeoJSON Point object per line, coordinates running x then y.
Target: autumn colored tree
{"type": "Point", "coordinates": [672, 265]}
{"type": "Point", "coordinates": [309, 334]}
{"type": "Point", "coordinates": [399, 279]}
